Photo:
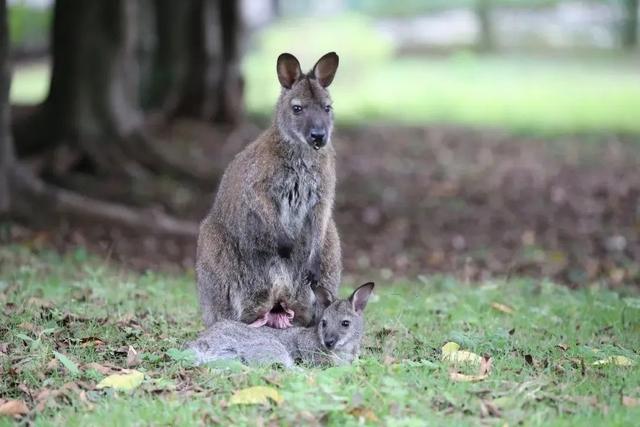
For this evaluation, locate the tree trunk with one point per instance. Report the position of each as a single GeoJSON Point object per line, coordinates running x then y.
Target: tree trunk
{"type": "Point", "coordinates": [486, 40]}
{"type": "Point", "coordinates": [21, 193]}
{"type": "Point", "coordinates": [170, 28]}
{"type": "Point", "coordinates": [7, 158]}
{"type": "Point", "coordinates": [630, 24]}
{"type": "Point", "coordinates": [231, 85]}
{"type": "Point", "coordinates": [213, 86]}
{"type": "Point", "coordinates": [92, 100]}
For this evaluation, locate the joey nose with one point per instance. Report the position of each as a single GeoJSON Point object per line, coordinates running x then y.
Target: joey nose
{"type": "Point", "coordinates": [330, 342]}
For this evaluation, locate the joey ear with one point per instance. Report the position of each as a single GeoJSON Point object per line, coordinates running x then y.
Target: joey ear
{"type": "Point", "coordinates": [323, 296]}
{"type": "Point", "coordinates": [360, 296]}
{"type": "Point", "coordinates": [325, 69]}
{"type": "Point", "coordinates": [288, 69]}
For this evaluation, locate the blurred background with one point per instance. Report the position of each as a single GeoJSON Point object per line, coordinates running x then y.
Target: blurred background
{"type": "Point", "coordinates": [479, 138]}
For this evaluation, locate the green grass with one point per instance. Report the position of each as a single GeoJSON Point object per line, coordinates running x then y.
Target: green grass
{"type": "Point", "coordinates": [52, 302]}
{"type": "Point", "coordinates": [30, 84]}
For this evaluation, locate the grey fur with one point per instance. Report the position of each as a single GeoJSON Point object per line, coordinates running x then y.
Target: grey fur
{"type": "Point", "coordinates": [231, 340]}
{"type": "Point", "coordinates": [270, 232]}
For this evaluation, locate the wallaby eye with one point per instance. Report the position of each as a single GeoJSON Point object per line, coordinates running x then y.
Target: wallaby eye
{"type": "Point", "coordinates": [297, 109]}
{"type": "Point", "coordinates": [324, 323]}
{"type": "Point", "coordinates": [346, 323]}
{"type": "Point", "coordinates": [327, 108]}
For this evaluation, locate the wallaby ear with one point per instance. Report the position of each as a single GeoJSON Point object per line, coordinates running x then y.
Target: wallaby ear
{"type": "Point", "coordinates": [360, 296]}
{"type": "Point", "coordinates": [325, 69]}
{"type": "Point", "coordinates": [324, 297]}
{"type": "Point", "coordinates": [288, 69]}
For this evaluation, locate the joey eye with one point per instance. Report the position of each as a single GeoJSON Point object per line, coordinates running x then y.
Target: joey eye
{"type": "Point", "coordinates": [327, 108]}
{"type": "Point", "coordinates": [297, 109]}
{"type": "Point", "coordinates": [346, 323]}
{"type": "Point", "coordinates": [324, 323]}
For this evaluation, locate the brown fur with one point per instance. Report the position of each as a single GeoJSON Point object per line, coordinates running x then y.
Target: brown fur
{"type": "Point", "coordinates": [270, 232]}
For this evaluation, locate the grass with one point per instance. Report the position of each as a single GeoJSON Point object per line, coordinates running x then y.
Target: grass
{"type": "Point", "coordinates": [542, 353]}
{"type": "Point", "coordinates": [30, 84]}
{"type": "Point", "coordinates": [542, 95]}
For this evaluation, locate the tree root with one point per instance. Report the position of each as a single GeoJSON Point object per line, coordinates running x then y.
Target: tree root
{"type": "Point", "coordinates": [33, 197]}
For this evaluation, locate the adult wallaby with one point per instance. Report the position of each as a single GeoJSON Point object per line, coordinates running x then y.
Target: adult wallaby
{"type": "Point", "coordinates": [334, 340]}
{"type": "Point", "coordinates": [270, 232]}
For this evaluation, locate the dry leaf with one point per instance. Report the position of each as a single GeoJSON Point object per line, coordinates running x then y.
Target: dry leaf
{"type": "Point", "coordinates": [630, 401]}
{"type": "Point", "coordinates": [104, 370]}
{"type": "Point", "coordinates": [462, 356]}
{"type": "Point", "coordinates": [127, 380]}
{"type": "Point", "coordinates": [502, 307]}
{"type": "Point", "coordinates": [562, 346]}
{"type": "Point", "coordinates": [483, 371]}
{"type": "Point", "coordinates": [53, 365]}
{"type": "Point", "coordinates": [91, 342]}
{"type": "Point", "coordinates": [133, 358]}
{"type": "Point", "coordinates": [449, 348]}
{"type": "Point", "coordinates": [256, 395]}
{"type": "Point", "coordinates": [614, 360]}
{"type": "Point", "coordinates": [457, 376]}
{"type": "Point", "coordinates": [485, 365]}
{"type": "Point", "coordinates": [489, 409]}
{"type": "Point", "coordinates": [366, 413]}
{"type": "Point", "coordinates": [13, 408]}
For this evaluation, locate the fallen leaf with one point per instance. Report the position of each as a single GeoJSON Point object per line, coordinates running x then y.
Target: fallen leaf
{"type": "Point", "coordinates": [67, 363]}
{"type": "Point", "coordinates": [462, 356]}
{"type": "Point", "coordinates": [457, 376]}
{"type": "Point", "coordinates": [13, 408]}
{"type": "Point", "coordinates": [502, 307]}
{"type": "Point", "coordinates": [449, 348]}
{"type": "Point", "coordinates": [127, 380]}
{"type": "Point", "coordinates": [256, 395]}
{"type": "Point", "coordinates": [104, 370]}
{"type": "Point", "coordinates": [614, 360]}
{"type": "Point", "coordinates": [133, 358]}
{"type": "Point", "coordinates": [365, 413]}
{"type": "Point", "coordinates": [53, 365]}
{"type": "Point", "coordinates": [91, 342]}
{"type": "Point", "coordinates": [562, 346]}
{"type": "Point", "coordinates": [489, 409]}
{"type": "Point", "coordinates": [485, 365]}
{"type": "Point", "coordinates": [630, 401]}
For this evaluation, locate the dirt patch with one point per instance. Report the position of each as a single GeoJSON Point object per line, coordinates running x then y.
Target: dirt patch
{"type": "Point", "coordinates": [411, 201]}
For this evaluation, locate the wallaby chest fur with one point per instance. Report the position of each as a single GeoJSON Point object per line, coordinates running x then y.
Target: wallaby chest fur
{"type": "Point", "coordinates": [270, 232]}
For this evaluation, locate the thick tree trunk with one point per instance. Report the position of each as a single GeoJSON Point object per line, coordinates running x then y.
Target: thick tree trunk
{"type": "Point", "coordinates": [170, 20]}
{"type": "Point", "coordinates": [92, 100]}
{"type": "Point", "coordinates": [231, 85]}
{"type": "Point", "coordinates": [93, 95]}
{"type": "Point", "coordinates": [630, 24]}
{"type": "Point", "coordinates": [7, 158]}
{"type": "Point", "coordinates": [486, 39]}
{"type": "Point", "coordinates": [213, 85]}
{"type": "Point", "coordinates": [21, 193]}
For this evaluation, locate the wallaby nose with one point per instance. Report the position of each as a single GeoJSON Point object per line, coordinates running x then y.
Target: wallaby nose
{"type": "Point", "coordinates": [330, 342]}
{"type": "Point", "coordinates": [318, 136]}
